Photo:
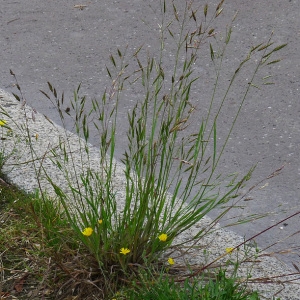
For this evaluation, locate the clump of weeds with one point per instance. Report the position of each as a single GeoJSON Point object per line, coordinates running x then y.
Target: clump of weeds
{"type": "Point", "coordinates": [93, 242]}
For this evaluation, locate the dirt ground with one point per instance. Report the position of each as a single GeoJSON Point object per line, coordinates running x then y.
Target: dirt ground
{"type": "Point", "coordinates": [67, 42]}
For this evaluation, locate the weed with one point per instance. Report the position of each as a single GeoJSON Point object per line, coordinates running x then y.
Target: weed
{"type": "Point", "coordinates": [115, 234]}
{"type": "Point", "coordinates": [219, 288]}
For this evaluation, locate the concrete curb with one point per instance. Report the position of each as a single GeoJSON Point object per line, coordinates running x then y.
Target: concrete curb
{"type": "Point", "coordinates": [46, 134]}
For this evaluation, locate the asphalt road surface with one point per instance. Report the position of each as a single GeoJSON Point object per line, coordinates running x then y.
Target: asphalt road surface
{"type": "Point", "coordinates": [68, 42]}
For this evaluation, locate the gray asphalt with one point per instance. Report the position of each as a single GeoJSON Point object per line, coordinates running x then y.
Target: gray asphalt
{"type": "Point", "coordinates": [54, 41]}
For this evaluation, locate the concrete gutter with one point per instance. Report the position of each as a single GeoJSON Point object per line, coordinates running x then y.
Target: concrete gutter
{"type": "Point", "coordinates": [20, 171]}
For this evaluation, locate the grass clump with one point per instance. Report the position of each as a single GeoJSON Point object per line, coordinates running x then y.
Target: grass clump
{"type": "Point", "coordinates": [100, 240]}
{"type": "Point", "coordinates": [41, 257]}
{"type": "Point", "coordinates": [221, 287]}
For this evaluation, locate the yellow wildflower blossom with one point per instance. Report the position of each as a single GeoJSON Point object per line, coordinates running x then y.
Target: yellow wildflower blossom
{"type": "Point", "coordinates": [163, 237]}
{"type": "Point", "coordinates": [100, 221]}
{"type": "Point", "coordinates": [171, 261]}
{"type": "Point", "coordinates": [229, 249]}
{"type": "Point", "coordinates": [87, 231]}
{"type": "Point", "coordinates": [124, 251]}
{"type": "Point", "coordinates": [2, 122]}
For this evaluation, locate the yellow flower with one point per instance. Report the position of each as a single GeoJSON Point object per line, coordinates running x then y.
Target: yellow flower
{"type": "Point", "coordinates": [87, 231]}
{"type": "Point", "coordinates": [100, 221]}
{"type": "Point", "coordinates": [163, 237]}
{"type": "Point", "coordinates": [124, 251]}
{"type": "Point", "coordinates": [171, 261]}
{"type": "Point", "coordinates": [229, 249]}
{"type": "Point", "coordinates": [2, 122]}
